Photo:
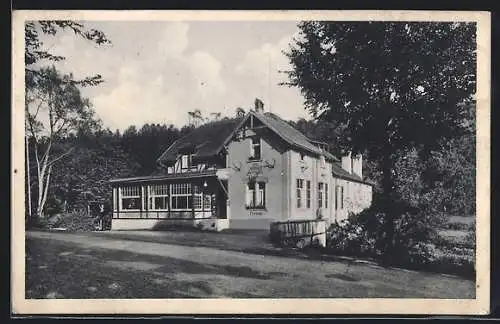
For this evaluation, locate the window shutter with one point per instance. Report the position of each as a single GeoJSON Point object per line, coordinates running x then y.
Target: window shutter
{"type": "Point", "coordinates": [249, 195]}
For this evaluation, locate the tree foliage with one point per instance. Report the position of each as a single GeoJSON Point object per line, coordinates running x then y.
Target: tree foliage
{"type": "Point", "coordinates": [394, 86]}
{"type": "Point", "coordinates": [145, 145]}
{"type": "Point", "coordinates": [385, 80]}
{"type": "Point", "coordinates": [85, 174]}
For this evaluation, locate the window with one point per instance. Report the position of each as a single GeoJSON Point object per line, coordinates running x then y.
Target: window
{"type": "Point", "coordinates": [300, 186]}
{"type": "Point", "coordinates": [326, 195]}
{"type": "Point", "coordinates": [199, 200]}
{"type": "Point", "coordinates": [181, 196]}
{"type": "Point", "coordinates": [186, 161]}
{"type": "Point", "coordinates": [158, 197]}
{"type": "Point", "coordinates": [255, 148]}
{"type": "Point", "coordinates": [207, 202]}
{"type": "Point", "coordinates": [197, 203]}
{"type": "Point", "coordinates": [339, 198]}
{"type": "Point", "coordinates": [256, 194]}
{"type": "Point", "coordinates": [130, 198]}
{"type": "Point", "coordinates": [342, 197]}
{"type": "Point", "coordinates": [320, 194]}
{"type": "Point", "coordinates": [308, 194]}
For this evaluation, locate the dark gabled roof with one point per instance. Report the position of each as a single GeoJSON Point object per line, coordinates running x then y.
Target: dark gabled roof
{"type": "Point", "coordinates": [339, 172]}
{"type": "Point", "coordinates": [208, 139]}
{"type": "Point", "coordinates": [291, 134]}
{"type": "Point", "coordinates": [204, 141]}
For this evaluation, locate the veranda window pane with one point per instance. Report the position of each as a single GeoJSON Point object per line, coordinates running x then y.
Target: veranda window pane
{"type": "Point", "coordinates": [131, 203]}
{"type": "Point", "coordinates": [161, 203]}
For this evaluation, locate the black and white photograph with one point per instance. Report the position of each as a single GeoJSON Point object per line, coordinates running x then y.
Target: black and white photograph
{"type": "Point", "coordinates": [207, 162]}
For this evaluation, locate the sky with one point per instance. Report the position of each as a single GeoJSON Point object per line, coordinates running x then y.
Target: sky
{"type": "Point", "coordinates": [155, 72]}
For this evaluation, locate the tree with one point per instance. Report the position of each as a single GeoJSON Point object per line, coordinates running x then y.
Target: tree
{"type": "Point", "coordinates": [54, 106]}
{"type": "Point", "coordinates": [240, 112]}
{"type": "Point", "coordinates": [145, 145]}
{"type": "Point", "coordinates": [195, 117]}
{"type": "Point", "coordinates": [97, 158]}
{"type": "Point", "coordinates": [215, 115]}
{"type": "Point", "coordinates": [394, 85]}
{"type": "Point", "coordinates": [330, 132]}
{"type": "Point", "coordinates": [54, 109]}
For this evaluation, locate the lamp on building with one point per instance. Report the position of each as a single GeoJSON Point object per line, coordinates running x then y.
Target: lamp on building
{"type": "Point", "coordinates": [205, 184]}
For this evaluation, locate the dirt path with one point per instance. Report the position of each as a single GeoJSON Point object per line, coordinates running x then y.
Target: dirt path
{"type": "Point", "coordinates": [232, 273]}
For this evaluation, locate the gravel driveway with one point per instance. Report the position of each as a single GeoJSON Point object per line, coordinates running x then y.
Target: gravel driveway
{"type": "Point", "coordinates": [115, 267]}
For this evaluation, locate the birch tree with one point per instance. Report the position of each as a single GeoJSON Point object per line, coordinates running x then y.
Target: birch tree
{"type": "Point", "coordinates": [54, 106]}
{"type": "Point", "coordinates": [54, 109]}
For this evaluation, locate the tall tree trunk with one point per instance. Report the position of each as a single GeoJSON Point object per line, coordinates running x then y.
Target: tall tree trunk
{"type": "Point", "coordinates": [43, 171]}
{"type": "Point", "coordinates": [389, 199]}
{"type": "Point", "coordinates": [28, 179]}
{"type": "Point", "coordinates": [46, 186]}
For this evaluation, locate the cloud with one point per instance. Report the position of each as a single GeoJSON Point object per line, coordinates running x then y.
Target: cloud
{"type": "Point", "coordinates": [267, 61]}
{"type": "Point", "coordinates": [135, 102]}
{"type": "Point", "coordinates": [158, 71]}
{"type": "Point", "coordinates": [150, 73]}
{"type": "Point", "coordinates": [175, 39]}
{"type": "Point", "coordinates": [262, 68]}
{"type": "Point", "coordinates": [206, 71]}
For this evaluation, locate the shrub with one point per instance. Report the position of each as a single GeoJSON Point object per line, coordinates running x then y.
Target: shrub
{"type": "Point", "coordinates": [421, 254]}
{"type": "Point", "coordinates": [363, 234]}
{"type": "Point", "coordinates": [353, 237]}
{"type": "Point", "coordinates": [76, 221]}
{"type": "Point", "coordinates": [416, 241]}
{"type": "Point", "coordinates": [470, 238]}
{"type": "Point", "coordinates": [462, 265]}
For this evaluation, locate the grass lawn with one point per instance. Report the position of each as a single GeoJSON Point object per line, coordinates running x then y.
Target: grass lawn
{"type": "Point", "coordinates": [457, 235]}
{"type": "Point", "coordinates": [64, 270]}
{"type": "Point", "coordinates": [89, 265]}
{"type": "Point", "coordinates": [468, 220]}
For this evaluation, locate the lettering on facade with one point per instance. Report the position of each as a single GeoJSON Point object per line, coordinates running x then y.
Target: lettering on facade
{"type": "Point", "coordinates": [256, 213]}
{"type": "Point", "coordinates": [257, 169]}
{"type": "Point", "coordinates": [254, 170]}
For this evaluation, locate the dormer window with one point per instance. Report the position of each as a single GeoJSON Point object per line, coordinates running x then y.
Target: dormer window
{"type": "Point", "coordinates": [255, 148]}
{"type": "Point", "coordinates": [186, 161]}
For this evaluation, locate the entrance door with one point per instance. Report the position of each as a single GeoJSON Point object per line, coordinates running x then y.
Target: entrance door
{"type": "Point", "coordinates": [221, 200]}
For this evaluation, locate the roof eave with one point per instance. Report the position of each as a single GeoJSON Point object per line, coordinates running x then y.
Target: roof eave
{"type": "Point", "coordinates": [343, 177]}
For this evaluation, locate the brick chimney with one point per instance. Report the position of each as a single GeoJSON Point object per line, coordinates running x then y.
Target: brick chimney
{"type": "Point", "coordinates": [357, 165]}
{"type": "Point", "coordinates": [347, 162]}
{"type": "Point", "coordinates": [259, 105]}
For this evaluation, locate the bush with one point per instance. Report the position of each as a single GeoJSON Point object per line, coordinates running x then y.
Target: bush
{"type": "Point", "coordinates": [73, 221]}
{"type": "Point", "coordinates": [421, 254]}
{"type": "Point", "coordinates": [350, 238]}
{"type": "Point", "coordinates": [470, 238]}
{"type": "Point", "coordinates": [457, 264]}
{"type": "Point", "coordinates": [358, 235]}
